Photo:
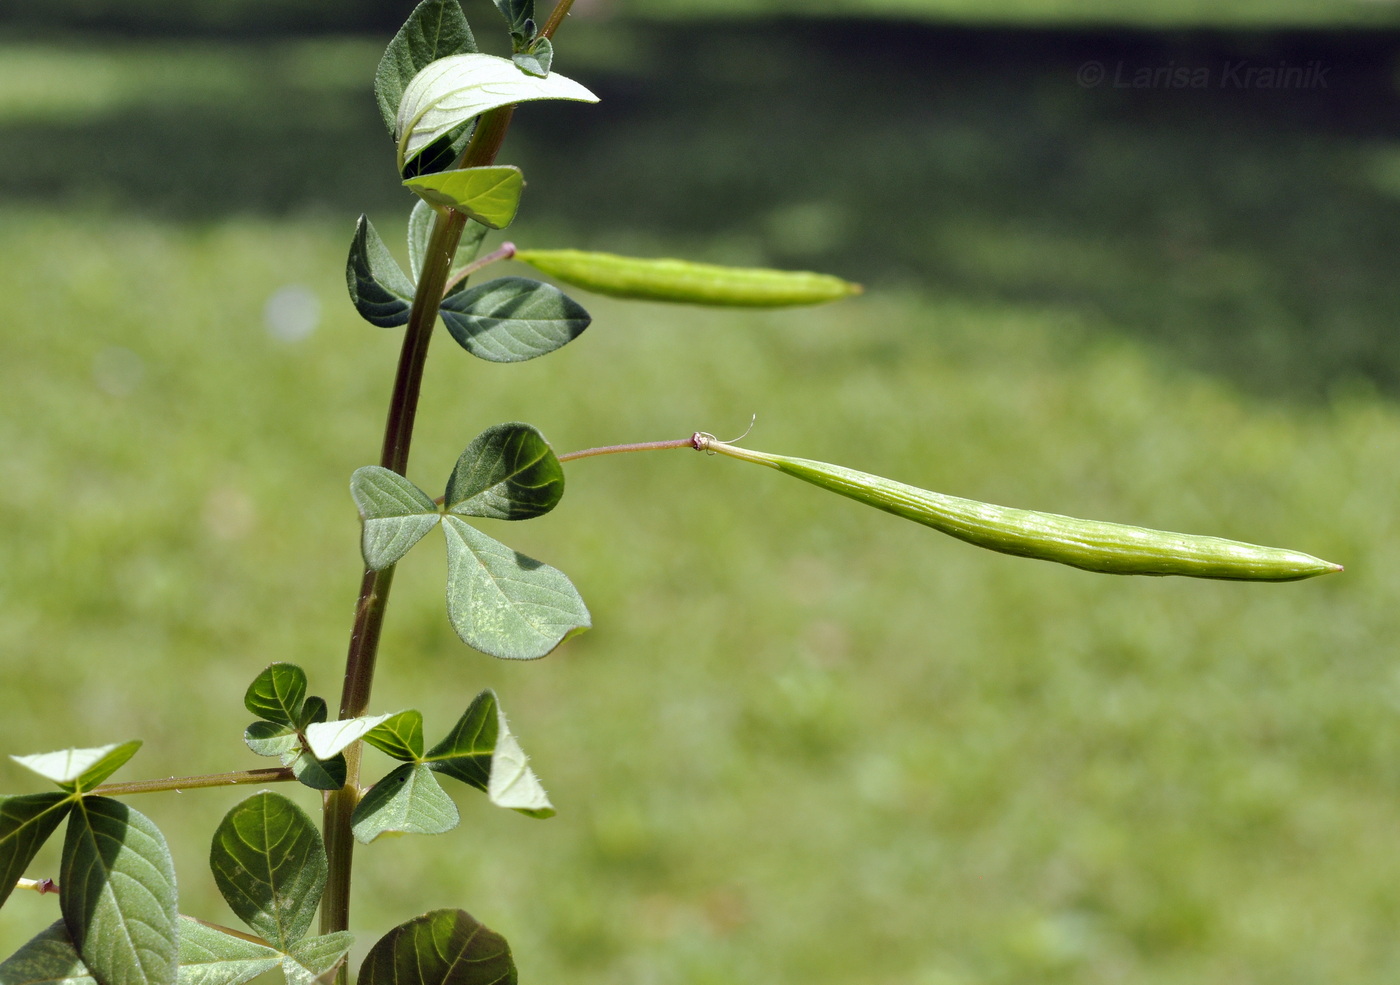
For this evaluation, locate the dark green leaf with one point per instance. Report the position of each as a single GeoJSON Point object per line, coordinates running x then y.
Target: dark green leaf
{"type": "Point", "coordinates": [401, 735]}
{"type": "Point", "coordinates": [118, 897]}
{"type": "Point", "coordinates": [480, 750]}
{"type": "Point", "coordinates": [48, 958]}
{"type": "Point", "coordinates": [209, 956]}
{"type": "Point", "coordinates": [277, 694]}
{"type": "Point", "coordinates": [312, 712]}
{"type": "Point", "coordinates": [453, 90]}
{"type": "Point", "coordinates": [396, 514]}
{"type": "Point", "coordinates": [309, 959]}
{"type": "Point", "coordinates": [511, 319]}
{"type": "Point", "coordinates": [516, 13]}
{"type": "Point", "coordinates": [490, 195]}
{"type": "Point", "coordinates": [444, 947]}
{"type": "Point", "coordinates": [435, 29]}
{"type": "Point", "coordinates": [25, 824]}
{"type": "Point", "coordinates": [504, 603]}
{"type": "Point", "coordinates": [407, 801]}
{"type": "Point", "coordinates": [318, 775]}
{"type": "Point", "coordinates": [508, 472]}
{"type": "Point", "coordinates": [271, 739]}
{"type": "Point", "coordinates": [270, 864]}
{"type": "Point", "coordinates": [381, 292]}
{"type": "Point", "coordinates": [536, 59]}
{"type": "Point", "coordinates": [420, 229]}
{"type": "Point", "coordinates": [79, 770]}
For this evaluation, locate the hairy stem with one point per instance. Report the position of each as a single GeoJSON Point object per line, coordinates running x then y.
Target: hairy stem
{"type": "Point", "coordinates": [374, 588]}
{"type": "Point", "coordinates": [623, 449]}
{"type": "Point", "coordinates": [272, 774]}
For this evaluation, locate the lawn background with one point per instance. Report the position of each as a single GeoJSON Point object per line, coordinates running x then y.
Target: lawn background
{"type": "Point", "coordinates": [805, 741]}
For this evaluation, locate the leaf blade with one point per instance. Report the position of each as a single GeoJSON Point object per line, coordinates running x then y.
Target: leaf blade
{"type": "Point", "coordinates": [435, 29]}
{"type": "Point", "coordinates": [278, 694]}
{"type": "Point", "coordinates": [77, 770]}
{"type": "Point", "coordinates": [379, 289]}
{"type": "Point", "coordinates": [504, 603]}
{"type": "Point", "coordinates": [209, 956]}
{"type": "Point", "coordinates": [512, 319]}
{"type": "Point", "coordinates": [452, 90]}
{"type": "Point", "coordinates": [118, 898]}
{"type": "Point", "coordinates": [443, 947]}
{"type": "Point", "coordinates": [394, 513]}
{"type": "Point", "coordinates": [407, 801]}
{"type": "Point", "coordinates": [508, 472]}
{"type": "Point", "coordinates": [399, 735]}
{"type": "Point", "coordinates": [26, 821]}
{"type": "Point", "coordinates": [270, 865]}
{"type": "Point", "coordinates": [490, 195]}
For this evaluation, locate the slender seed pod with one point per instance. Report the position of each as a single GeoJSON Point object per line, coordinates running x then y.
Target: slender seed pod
{"type": "Point", "coordinates": [686, 282]}
{"type": "Point", "coordinates": [1111, 548]}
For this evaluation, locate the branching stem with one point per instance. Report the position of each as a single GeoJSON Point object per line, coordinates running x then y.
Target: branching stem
{"type": "Point", "coordinates": [271, 774]}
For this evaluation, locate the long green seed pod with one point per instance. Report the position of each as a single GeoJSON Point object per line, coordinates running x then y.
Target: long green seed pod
{"type": "Point", "coordinates": [1111, 548]}
{"type": "Point", "coordinates": [686, 282]}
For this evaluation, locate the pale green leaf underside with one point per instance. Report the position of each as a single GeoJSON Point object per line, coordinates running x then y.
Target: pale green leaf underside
{"type": "Point", "coordinates": [26, 822]}
{"type": "Point", "coordinates": [47, 958]}
{"type": "Point", "coordinates": [209, 956]}
{"type": "Point", "coordinates": [504, 603]}
{"type": "Point", "coordinates": [490, 195]}
{"type": "Point", "coordinates": [315, 773]}
{"type": "Point", "coordinates": [118, 897]}
{"type": "Point", "coordinates": [453, 90]}
{"type": "Point", "coordinates": [435, 29]}
{"type": "Point", "coordinates": [394, 512]}
{"type": "Point", "coordinates": [407, 801]}
{"type": "Point", "coordinates": [513, 784]}
{"type": "Point", "coordinates": [511, 319]}
{"type": "Point", "coordinates": [508, 472]}
{"type": "Point", "coordinates": [312, 957]}
{"type": "Point", "coordinates": [272, 739]}
{"type": "Point", "coordinates": [270, 865]}
{"type": "Point", "coordinates": [278, 694]}
{"type": "Point", "coordinates": [443, 947]}
{"type": "Point", "coordinates": [326, 739]}
{"type": "Point", "coordinates": [80, 769]}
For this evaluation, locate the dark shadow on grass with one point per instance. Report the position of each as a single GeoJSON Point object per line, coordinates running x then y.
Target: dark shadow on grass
{"type": "Point", "coordinates": [1163, 185]}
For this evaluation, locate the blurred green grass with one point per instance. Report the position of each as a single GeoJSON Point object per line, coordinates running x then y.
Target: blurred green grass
{"type": "Point", "coordinates": [805, 741]}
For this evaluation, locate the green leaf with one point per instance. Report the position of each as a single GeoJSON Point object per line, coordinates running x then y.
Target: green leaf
{"type": "Point", "coordinates": [25, 824]}
{"type": "Point", "coordinates": [516, 13]}
{"type": "Point", "coordinates": [536, 59]}
{"type": "Point", "coordinates": [47, 958]}
{"type": "Point", "coordinates": [481, 751]}
{"type": "Point", "coordinates": [316, 774]}
{"type": "Point", "coordinates": [271, 739]}
{"type": "Point", "coordinates": [420, 229]}
{"type": "Point", "coordinates": [400, 735]}
{"type": "Point", "coordinates": [504, 603]}
{"type": "Point", "coordinates": [453, 90]}
{"type": "Point", "coordinates": [277, 694]}
{"type": "Point", "coordinates": [511, 319]}
{"type": "Point", "coordinates": [508, 472]}
{"type": "Point", "coordinates": [270, 864]}
{"type": "Point", "coordinates": [379, 289]}
{"type": "Point", "coordinates": [118, 897]}
{"type": "Point", "coordinates": [396, 514]}
{"type": "Point", "coordinates": [79, 770]}
{"type": "Point", "coordinates": [490, 195]}
{"type": "Point", "coordinates": [209, 956]}
{"type": "Point", "coordinates": [444, 947]}
{"type": "Point", "coordinates": [407, 801]}
{"type": "Point", "coordinates": [314, 957]}
{"type": "Point", "coordinates": [435, 29]}
{"type": "Point", "coordinates": [313, 711]}
{"type": "Point", "coordinates": [326, 739]}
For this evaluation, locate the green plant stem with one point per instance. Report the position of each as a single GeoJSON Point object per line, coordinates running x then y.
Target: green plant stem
{"type": "Point", "coordinates": [374, 587]}
{"type": "Point", "coordinates": [556, 17]}
{"type": "Point", "coordinates": [503, 252]}
{"type": "Point", "coordinates": [272, 774]}
{"type": "Point", "coordinates": [624, 449]}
